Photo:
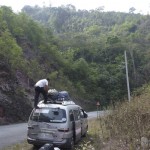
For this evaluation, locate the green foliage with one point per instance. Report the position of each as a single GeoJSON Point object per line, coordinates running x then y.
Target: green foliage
{"type": "Point", "coordinates": [10, 50]}
{"type": "Point", "coordinates": [93, 44]}
{"type": "Point", "coordinates": [113, 40]}
{"type": "Point", "coordinates": [80, 49]}
{"type": "Point", "coordinates": [80, 69]}
{"type": "Point", "coordinates": [93, 30]}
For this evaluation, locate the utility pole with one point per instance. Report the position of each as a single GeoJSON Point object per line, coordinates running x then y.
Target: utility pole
{"type": "Point", "coordinates": [127, 77]}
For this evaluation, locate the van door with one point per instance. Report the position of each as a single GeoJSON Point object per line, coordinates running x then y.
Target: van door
{"type": "Point", "coordinates": [77, 124]}
{"type": "Point", "coordinates": [72, 125]}
{"type": "Point", "coordinates": [84, 122]}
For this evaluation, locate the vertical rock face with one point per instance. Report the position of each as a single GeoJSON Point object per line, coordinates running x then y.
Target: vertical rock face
{"type": "Point", "coordinates": [15, 99]}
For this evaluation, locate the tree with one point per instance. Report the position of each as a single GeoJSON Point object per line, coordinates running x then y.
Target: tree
{"type": "Point", "coordinates": [132, 10]}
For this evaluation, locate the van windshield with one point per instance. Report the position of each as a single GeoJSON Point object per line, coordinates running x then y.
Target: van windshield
{"type": "Point", "coordinates": [55, 115]}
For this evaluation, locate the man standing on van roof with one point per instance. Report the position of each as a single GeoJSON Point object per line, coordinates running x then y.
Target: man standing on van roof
{"type": "Point", "coordinates": [41, 87]}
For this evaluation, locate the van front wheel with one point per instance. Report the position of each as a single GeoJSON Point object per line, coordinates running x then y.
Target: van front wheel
{"type": "Point", "coordinates": [70, 144]}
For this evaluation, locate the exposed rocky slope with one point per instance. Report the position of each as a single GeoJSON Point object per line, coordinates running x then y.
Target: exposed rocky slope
{"type": "Point", "coordinates": [15, 96]}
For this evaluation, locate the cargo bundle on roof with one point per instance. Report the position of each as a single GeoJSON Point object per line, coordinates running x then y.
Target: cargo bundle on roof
{"type": "Point", "coordinates": [56, 97]}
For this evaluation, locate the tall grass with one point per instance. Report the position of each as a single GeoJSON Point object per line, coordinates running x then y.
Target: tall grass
{"type": "Point", "coordinates": [125, 127]}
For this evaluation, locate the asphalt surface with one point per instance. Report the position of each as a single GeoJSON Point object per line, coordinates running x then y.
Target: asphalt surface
{"type": "Point", "coordinates": [96, 114]}
{"type": "Point", "coordinates": [16, 133]}
{"type": "Point", "coordinates": [12, 134]}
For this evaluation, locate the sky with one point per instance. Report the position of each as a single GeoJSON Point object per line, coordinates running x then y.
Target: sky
{"type": "Point", "coordinates": [141, 6]}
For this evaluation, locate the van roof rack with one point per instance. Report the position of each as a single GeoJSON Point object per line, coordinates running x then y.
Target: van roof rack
{"type": "Point", "coordinates": [68, 102]}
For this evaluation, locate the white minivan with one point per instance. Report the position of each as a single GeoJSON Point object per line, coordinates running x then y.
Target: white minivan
{"type": "Point", "coordinates": [61, 124]}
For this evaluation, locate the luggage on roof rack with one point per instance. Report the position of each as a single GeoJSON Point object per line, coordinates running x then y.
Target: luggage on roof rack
{"type": "Point", "coordinates": [54, 95]}
{"type": "Point", "coordinates": [63, 95]}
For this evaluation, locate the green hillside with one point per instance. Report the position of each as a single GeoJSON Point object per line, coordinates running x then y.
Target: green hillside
{"type": "Point", "coordinates": [80, 51]}
{"type": "Point", "coordinates": [93, 42]}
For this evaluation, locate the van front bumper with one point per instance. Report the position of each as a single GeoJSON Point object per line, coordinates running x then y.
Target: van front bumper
{"type": "Point", "coordinates": [62, 144]}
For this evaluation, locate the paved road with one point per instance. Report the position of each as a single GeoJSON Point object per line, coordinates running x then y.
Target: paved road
{"type": "Point", "coordinates": [12, 134]}
{"type": "Point", "coordinates": [95, 114]}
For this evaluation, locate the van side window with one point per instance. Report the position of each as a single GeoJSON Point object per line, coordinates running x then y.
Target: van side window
{"type": "Point", "coordinates": [76, 114]}
{"type": "Point", "coordinates": [71, 115]}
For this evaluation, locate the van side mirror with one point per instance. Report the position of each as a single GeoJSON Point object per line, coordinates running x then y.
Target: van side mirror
{"type": "Point", "coordinates": [85, 115]}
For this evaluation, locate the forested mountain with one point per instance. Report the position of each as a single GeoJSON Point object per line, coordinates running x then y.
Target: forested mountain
{"type": "Point", "coordinates": [94, 43]}
{"type": "Point", "coordinates": [80, 51]}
